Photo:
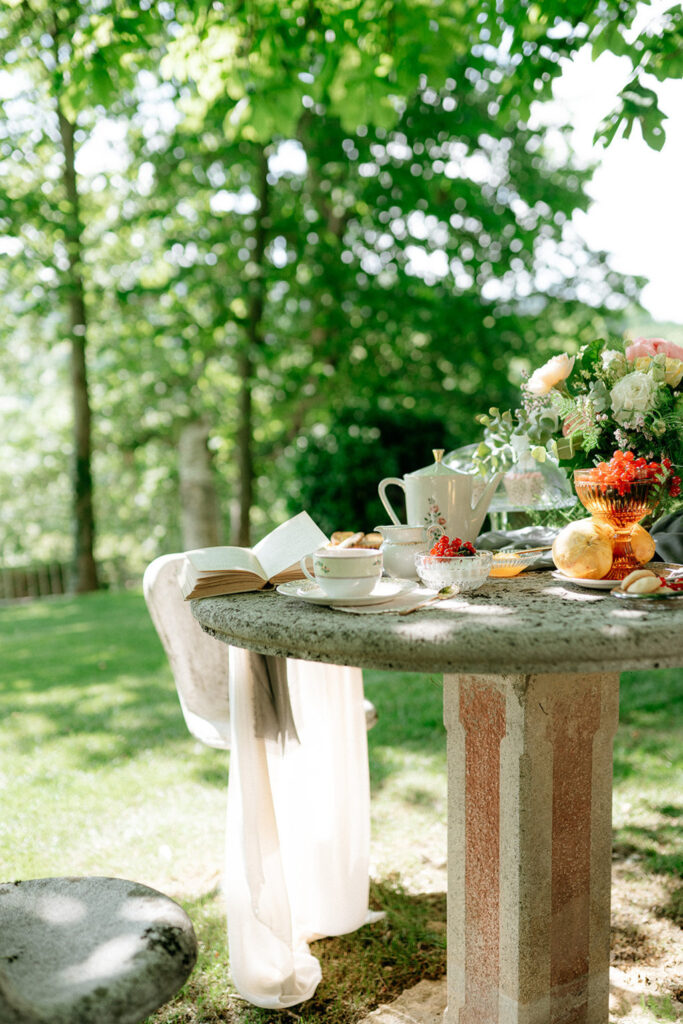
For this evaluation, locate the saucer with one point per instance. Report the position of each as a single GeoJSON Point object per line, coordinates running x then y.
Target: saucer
{"type": "Point", "coordinates": [589, 584]}
{"type": "Point", "coordinates": [384, 590]}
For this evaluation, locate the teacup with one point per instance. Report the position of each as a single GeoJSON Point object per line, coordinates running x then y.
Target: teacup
{"type": "Point", "coordinates": [344, 573]}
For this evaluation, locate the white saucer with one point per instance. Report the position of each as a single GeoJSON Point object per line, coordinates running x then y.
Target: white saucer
{"type": "Point", "coordinates": [385, 590]}
{"type": "Point", "coordinates": [589, 584]}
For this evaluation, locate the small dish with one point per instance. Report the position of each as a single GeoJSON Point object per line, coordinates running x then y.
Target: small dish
{"type": "Point", "coordinates": [665, 570]}
{"type": "Point", "coordinates": [663, 594]}
{"type": "Point", "coordinates": [511, 563]}
{"type": "Point", "coordinates": [384, 590]}
{"type": "Point", "coordinates": [464, 573]}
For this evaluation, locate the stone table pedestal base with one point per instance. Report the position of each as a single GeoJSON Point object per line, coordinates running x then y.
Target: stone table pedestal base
{"type": "Point", "coordinates": [529, 847]}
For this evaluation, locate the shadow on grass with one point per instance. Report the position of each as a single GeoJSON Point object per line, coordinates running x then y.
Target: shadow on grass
{"type": "Point", "coordinates": [650, 725]}
{"type": "Point", "coordinates": [659, 851]}
{"type": "Point", "coordinates": [92, 668]}
{"type": "Point", "coordinates": [361, 970]}
{"type": "Point", "coordinates": [410, 721]}
{"type": "Point", "coordinates": [648, 749]}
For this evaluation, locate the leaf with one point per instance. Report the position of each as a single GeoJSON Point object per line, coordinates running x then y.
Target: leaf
{"type": "Point", "coordinates": [653, 130]}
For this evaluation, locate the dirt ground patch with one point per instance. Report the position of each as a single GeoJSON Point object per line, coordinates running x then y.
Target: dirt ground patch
{"type": "Point", "coordinates": [646, 977]}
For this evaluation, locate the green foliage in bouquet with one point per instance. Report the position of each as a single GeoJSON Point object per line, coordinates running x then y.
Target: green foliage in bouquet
{"type": "Point", "coordinates": [509, 432]}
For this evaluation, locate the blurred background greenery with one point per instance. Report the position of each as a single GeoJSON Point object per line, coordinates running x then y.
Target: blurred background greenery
{"type": "Point", "coordinates": [255, 257]}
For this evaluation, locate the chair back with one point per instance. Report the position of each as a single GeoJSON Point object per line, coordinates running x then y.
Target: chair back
{"type": "Point", "coordinates": [198, 662]}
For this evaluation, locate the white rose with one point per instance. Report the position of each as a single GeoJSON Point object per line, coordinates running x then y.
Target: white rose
{"type": "Point", "coordinates": [634, 393]}
{"type": "Point", "coordinates": [551, 373]}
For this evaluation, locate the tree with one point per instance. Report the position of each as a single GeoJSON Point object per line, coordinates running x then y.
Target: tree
{"type": "Point", "coordinates": [65, 85]}
{"type": "Point", "coordinates": [347, 283]}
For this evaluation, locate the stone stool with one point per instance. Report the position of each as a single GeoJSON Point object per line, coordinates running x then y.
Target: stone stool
{"type": "Point", "coordinates": [89, 951]}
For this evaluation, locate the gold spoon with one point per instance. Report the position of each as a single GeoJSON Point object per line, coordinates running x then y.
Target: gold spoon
{"type": "Point", "coordinates": [449, 591]}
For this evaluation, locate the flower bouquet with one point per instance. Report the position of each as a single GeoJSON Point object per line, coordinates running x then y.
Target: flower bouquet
{"type": "Point", "coordinates": [608, 397]}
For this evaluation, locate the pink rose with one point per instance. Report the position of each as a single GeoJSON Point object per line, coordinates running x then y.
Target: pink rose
{"type": "Point", "coordinates": [653, 347]}
{"type": "Point", "coordinates": [551, 373]}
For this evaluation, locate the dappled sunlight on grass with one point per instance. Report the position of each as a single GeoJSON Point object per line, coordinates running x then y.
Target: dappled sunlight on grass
{"type": "Point", "coordinates": [101, 774]}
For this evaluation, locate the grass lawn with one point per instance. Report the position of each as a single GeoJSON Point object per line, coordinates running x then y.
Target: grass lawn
{"type": "Point", "coordinates": [99, 776]}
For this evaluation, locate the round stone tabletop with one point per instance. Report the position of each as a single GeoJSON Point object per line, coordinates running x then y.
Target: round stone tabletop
{"type": "Point", "coordinates": [529, 624]}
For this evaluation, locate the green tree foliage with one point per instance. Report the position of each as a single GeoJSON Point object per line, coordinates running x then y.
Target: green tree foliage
{"type": "Point", "coordinates": [336, 470]}
{"type": "Point", "coordinates": [655, 54]}
{"type": "Point", "coordinates": [403, 269]}
{"type": "Point", "coordinates": [321, 215]}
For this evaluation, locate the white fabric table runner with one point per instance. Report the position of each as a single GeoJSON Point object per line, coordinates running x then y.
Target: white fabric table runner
{"type": "Point", "coordinates": [298, 828]}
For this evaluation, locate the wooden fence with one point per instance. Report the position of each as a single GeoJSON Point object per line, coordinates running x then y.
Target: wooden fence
{"type": "Point", "coordinates": [20, 582]}
{"type": "Point", "coordinates": [33, 581]}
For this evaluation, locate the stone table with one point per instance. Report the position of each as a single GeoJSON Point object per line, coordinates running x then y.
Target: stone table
{"type": "Point", "coordinates": [531, 696]}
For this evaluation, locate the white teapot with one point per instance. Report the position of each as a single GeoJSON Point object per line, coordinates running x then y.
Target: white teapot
{"type": "Point", "coordinates": [439, 497]}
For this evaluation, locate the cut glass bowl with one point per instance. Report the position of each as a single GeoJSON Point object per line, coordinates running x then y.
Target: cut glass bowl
{"type": "Point", "coordinates": [464, 574]}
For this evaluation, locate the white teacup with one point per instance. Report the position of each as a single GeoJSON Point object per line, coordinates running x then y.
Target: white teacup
{"type": "Point", "coordinates": [344, 573]}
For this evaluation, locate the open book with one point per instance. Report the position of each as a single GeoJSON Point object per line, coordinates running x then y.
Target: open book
{"type": "Point", "coordinates": [207, 572]}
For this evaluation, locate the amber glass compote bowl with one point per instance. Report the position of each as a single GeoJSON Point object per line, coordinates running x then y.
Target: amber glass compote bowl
{"type": "Point", "coordinates": [621, 512]}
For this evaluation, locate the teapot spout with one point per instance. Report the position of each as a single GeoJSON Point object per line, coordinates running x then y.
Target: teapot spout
{"type": "Point", "coordinates": [481, 508]}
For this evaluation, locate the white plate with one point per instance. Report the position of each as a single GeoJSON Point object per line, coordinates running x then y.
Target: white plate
{"type": "Point", "coordinates": [385, 590]}
{"type": "Point", "coordinates": [589, 584]}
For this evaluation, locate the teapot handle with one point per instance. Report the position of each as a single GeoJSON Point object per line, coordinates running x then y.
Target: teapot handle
{"type": "Point", "coordinates": [385, 501]}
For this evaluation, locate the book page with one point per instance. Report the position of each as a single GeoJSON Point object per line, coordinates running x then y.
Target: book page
{"type": "Point", "coordinates": [220, 559]}
{"type": "Point", "coordinates": [288, 543]}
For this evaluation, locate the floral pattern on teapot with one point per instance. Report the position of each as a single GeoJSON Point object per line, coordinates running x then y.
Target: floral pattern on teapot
{"type": "Point", "coordinates": [434, 518]}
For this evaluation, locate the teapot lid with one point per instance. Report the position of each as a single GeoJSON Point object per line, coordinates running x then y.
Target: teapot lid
{"type": "Point", "coordinates": [437, 468]}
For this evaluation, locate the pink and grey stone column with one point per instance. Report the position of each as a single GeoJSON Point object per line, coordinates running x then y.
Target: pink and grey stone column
{"type": "Point", "coordinates": [529, 847]}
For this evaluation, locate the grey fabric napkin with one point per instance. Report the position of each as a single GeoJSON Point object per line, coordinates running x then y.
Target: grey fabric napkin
{"type": "Point", "coordinates": [520, 540]}
{"type": "Point", "coordinates": [273, 718]}
{"type": "Point", "coordinates": [667, 533]}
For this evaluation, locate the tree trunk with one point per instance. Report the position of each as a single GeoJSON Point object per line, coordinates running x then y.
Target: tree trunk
{"type": "Point", "coordinates": [253, 343]}
{"type": "Point", "coordinates": [245, 458]}
{"type": "Point", "coordinates": [84, 567]}
{"type": "Point", "coordinates": [199, 510]}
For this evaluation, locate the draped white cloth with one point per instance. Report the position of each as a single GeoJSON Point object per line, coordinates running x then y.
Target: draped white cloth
{"type": "Point", "coordinates": [297, 850]}
{"type": "Point", "coordinates": [298, 809]}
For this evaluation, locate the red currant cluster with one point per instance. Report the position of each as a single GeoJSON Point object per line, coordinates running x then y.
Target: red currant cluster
{"type": "Point", "coordinates": [624, 468]}
{"type": "Point", "coordinates": [456, 548]}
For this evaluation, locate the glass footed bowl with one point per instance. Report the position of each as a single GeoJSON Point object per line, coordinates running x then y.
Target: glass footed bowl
{"type": "Point", "coordinates": [620, 512]}
{"type": "Point", "coordinates": [463, 574]}
{"type": "Point", "coordinates": [510, 563]}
